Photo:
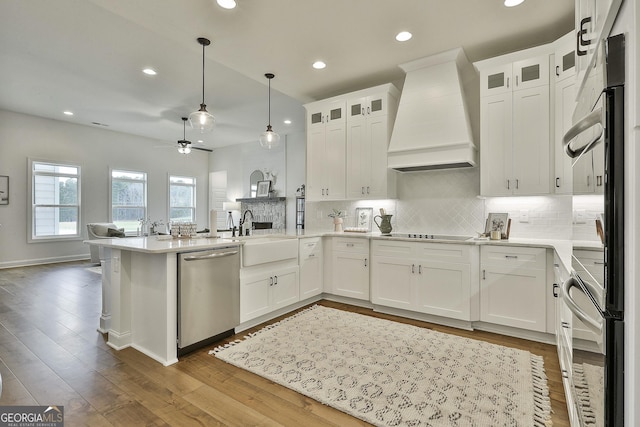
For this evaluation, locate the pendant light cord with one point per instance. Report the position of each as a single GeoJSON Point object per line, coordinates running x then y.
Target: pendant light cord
{"type": "Point", "coordinates": [269, 103]}
{"type": "Point", "coordinates": [203, 46]}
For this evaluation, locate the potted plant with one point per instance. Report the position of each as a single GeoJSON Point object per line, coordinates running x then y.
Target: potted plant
{"type": "Point", "coordinates": [337, 216]}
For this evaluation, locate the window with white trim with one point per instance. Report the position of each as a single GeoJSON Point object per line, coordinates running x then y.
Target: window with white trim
{"type": "Point", "coordinates": [55, 200]}
{"type": "Point", "coordinates": [128, 199]}
{"type": "Point", "coordinates": [182, 199]}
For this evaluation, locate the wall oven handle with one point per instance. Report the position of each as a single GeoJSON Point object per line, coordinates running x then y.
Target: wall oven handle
{"type": "Point", "coordinates": [592, 119]}
{"type": "Point", "coordinates": [590, 322]}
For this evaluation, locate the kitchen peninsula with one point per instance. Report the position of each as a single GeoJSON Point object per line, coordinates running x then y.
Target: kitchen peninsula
{"type": "Point", "coordinates": [140, 289]}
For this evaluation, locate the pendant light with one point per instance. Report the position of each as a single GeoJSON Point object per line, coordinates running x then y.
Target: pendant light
{"type": "Point", "coordinates": [269, 138]}
{"type": "Point", "coordinates": [184, 145]}
{"type": "Point", "coordinates": [202, 119]}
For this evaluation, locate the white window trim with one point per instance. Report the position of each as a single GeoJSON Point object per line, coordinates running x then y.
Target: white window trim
{"type": "Point", "coordinates": [195, 195]}
{"type": "Point", "coordinates": [31, 238]}
{"type": "Point", "coordinates": [146, 192]}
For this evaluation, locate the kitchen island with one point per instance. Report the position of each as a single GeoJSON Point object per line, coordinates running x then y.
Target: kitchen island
{"type": "Point", "coordinates": [140, 289]}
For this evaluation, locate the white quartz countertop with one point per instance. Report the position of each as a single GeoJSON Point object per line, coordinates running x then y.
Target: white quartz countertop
{"type": "Point", "coordinates": [154, 245]}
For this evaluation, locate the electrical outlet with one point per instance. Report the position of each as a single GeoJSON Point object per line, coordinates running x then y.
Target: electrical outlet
{"type": "Point", "coordinates": [524, 216]}
{"type": "Point", "coordinates": [579, 216]}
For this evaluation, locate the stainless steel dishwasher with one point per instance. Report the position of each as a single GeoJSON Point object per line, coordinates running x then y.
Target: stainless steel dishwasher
{"type": "Point", "coordinates": [208, 296]}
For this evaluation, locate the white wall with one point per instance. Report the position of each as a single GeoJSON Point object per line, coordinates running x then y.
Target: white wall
{"type": "Point", "coordinates": [286, 161]}
{"type": "Point", "coordinates": [95, 150]}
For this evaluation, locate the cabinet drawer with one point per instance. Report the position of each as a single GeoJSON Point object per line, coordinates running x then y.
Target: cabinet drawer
{"type": "Point", "coordinates": [390, 248]}
{"type": "Point", "coordinates": [353, 245]}
{"type": "Point", "coordinates": [515, 256]}
{"type": "Point", "coordinates": [444, 252]}
{"type": "Point", "coordinates": [310, 246]}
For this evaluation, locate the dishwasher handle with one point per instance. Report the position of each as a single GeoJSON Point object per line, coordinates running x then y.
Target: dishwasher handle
{"type": "Point", "coordinates": [209, 256]}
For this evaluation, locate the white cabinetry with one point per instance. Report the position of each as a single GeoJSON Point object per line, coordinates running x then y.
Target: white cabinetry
{"type": "Point", "coordinates": [266, 288]}
{"type": "Point", "coordinates": [513, 290]}
{"type": "Point", "coordinates": [347, 141]}
{"type": "Point", "coordinates": [349, 267]}
{"type": "Point", "coordinates": [515, 135]}
{"type": "Point", "coordinates": [431, 278]}
{"type": "Point", "coordinates": [370, 116]}
{"type": "Point", "coordinates": [326, 149]}
{"type": "Point", "coordinates": [565, 103]}
{"type": "Point", "coordinates": [310, 267]}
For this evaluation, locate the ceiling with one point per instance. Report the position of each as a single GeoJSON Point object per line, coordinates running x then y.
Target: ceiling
{"type": "Point", "coordinates": [86, 56]}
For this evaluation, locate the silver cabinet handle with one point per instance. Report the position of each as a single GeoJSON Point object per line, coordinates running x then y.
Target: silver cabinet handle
{"type": "Point", "coordinates": [516, 80]}
{"type": "Point", "coordinates": [271, 283]}
{"type": "Point", "coordinates": [599, 262]}
{"type": "Point", "coordinates": [511, 256]}
{"type": "Point", "coordinates": [565, 325]}
{"type": "Point", "coordinates": [420, 269]}
{"type": "Point", "coordinates": [565, 374]}
{"type": "Point", "coordinates": [413, 268]}
{"type": "Point", "coordinates": [323, 191]}
{"type": "Point", "coordinates": [557, 182]}
{"type": "Point", "coordinates": [327, 191]}
{"type": "Point", "coordinates": [508, 185]}
{"type": "Point", "coordinates": [599, 181]}
{"type": "Point", "coordinates": [276, 281]}
{"type": "Point", "coordinates": [365, 262]}
{"type": "Point", "coordinates": [367, 189]}
{"type": "Point", "coordinates": [362, 190]}
{"type": "Point", "coordinates": [484, 274]}
{"type": "Point", "coordinates": [349, 245]}
{"type": "Point", "coordinates": [507, 82]}
{"type": "Point", "coordinates": [312, 255]}
{"type": "Point", "coordinates": [557, 70]}
{"type": "Point", "coordinates": [588, 180]}
{"type": "Point", "coordinates": [517, 184]}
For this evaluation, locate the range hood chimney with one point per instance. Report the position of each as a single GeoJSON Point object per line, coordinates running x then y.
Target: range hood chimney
{"type": "Point", "coordinates": [433, 128]}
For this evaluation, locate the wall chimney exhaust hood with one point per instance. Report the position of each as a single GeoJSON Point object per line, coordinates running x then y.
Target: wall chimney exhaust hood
{"type": "Point", "coordinates": [433, 129]}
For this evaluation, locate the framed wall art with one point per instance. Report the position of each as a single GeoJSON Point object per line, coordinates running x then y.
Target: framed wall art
{"type": "Point", "coordinates": [264, 187]}
{"type": "Point", "coordinates": [364, 218]}
{"type": "Point", "coordinates": [4, 190]}
{"type": "Point", "coordinates": [497, 222]}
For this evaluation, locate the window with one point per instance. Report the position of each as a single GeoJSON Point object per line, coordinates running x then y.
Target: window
{"type": "Point", "coordinates": [182, 199]}
{"type": "Point", "coordinates": [55, 200]}
{"type": "Point", "coordinates": [128, 199]}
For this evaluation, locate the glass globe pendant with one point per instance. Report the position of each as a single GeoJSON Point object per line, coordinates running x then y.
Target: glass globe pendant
{"type": "Point", "coordinates": [269, 138]}
{"type": "Point", "coordinates": [202, 120]}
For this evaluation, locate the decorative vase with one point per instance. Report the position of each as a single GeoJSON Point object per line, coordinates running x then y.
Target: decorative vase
{"type": "Point", "coordinates": [337, 223]}
{"type": "Point", "coordinates": [384, 225]}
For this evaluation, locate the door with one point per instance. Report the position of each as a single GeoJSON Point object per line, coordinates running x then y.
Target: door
{"type": "Point", "coordinates": [513, 297]}
{"type": "Point", "coordinates": [350, 275]}
{"type": "Point", "coordinates": [530, 141]}
{"type": "Point", "coordinates": [496, 143]}
{"type": "Point", "coordinates": [565, 103]}
{"type": "Point", "coordinates": [392, 282]}
{"type": "Point", "coordinates": [444, 289]}
{"type": "Point", "coordinates": [311, 267]}
{"type": "Point", "coordinates": [254, 296]}
{"type": "Point", "coordinates": [285, 289]}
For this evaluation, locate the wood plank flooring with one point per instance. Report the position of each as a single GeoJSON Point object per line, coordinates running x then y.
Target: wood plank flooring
{"type": "Point", "coordinates": [51, 353]}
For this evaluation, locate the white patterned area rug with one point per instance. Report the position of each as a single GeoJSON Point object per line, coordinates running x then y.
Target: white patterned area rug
{"type": "Point", "coordinates": [392, 374]}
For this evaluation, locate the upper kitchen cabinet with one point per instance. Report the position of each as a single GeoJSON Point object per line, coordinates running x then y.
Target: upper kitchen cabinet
{"type": "Point", "coordinates": [326, 150]}
{"type": "Point", "coordinates": [565, 103]}
{"type": "Point", "coordinates": [347, 141]}
{"type": "Point", "coordinates": [370, 116]}
{"type": "Point", "coordinates": [515, 124]}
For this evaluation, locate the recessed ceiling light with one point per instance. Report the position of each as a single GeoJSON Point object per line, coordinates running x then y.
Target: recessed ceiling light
{"type": "Point", "coordinates": [227, 4]}
{"type": "Point", "coordinates": [511, 3]}
{"type": "Point", "coordinates": [287, 122]}
{"type": "Point", "coordinates": [68, 113]}
{"type": "Point", "coordinates": [403, 36]}
{"type": "Point", "coordinates": [149, 71]}
{"type": "Point", "coordinates": [319, 65]}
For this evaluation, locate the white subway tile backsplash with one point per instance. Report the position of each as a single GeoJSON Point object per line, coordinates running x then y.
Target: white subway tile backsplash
{"type": "Point", "coordinates": [447, 202]}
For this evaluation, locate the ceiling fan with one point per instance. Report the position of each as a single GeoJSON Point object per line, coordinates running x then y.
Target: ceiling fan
{"type": "Point", "coordinates": [184, 145]}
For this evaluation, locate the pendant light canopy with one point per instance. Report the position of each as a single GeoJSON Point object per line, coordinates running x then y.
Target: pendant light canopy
{"type": "Point", "coordinates": [269, 138]}
{"type": "Point", "coordinates": [202, 119]}
{"type": "Point", "coordinates": [184, 146]}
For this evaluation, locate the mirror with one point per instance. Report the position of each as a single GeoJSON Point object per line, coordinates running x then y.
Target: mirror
{"type": "Point", "coordinates": [255, 176]}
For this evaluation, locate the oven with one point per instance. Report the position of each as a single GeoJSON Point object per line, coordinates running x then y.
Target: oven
{"type": "Point", "coordinates": [594, 329]}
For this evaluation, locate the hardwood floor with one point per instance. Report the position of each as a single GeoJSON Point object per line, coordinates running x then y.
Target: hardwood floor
{"type": "Point", "coordinates": [51, 353]}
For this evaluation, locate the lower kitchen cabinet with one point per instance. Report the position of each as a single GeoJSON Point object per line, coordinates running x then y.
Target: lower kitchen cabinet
{"type": "Point", "coordinates": [266, 289]}
{"type": "Point", "coordinates": [431, 278]}
{"type": "Point", "coordinates": [349, 268]}
{"type": "Point", "coordinates": [311, 267]}
{"type": "Point", "coordinates": [513, 287]}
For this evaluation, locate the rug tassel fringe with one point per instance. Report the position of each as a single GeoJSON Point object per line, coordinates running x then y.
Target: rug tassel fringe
{"type": "Point", "coordinates": [266, 328]}
{"type": "Point", "coordinates": [541, 400]}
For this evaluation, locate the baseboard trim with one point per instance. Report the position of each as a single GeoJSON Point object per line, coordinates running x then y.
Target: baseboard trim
{"type": "Point", "coordinates": [43, 261]}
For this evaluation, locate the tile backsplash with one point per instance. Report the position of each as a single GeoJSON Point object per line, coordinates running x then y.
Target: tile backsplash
{"type": "Point", "coordinates": [447, 202]}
